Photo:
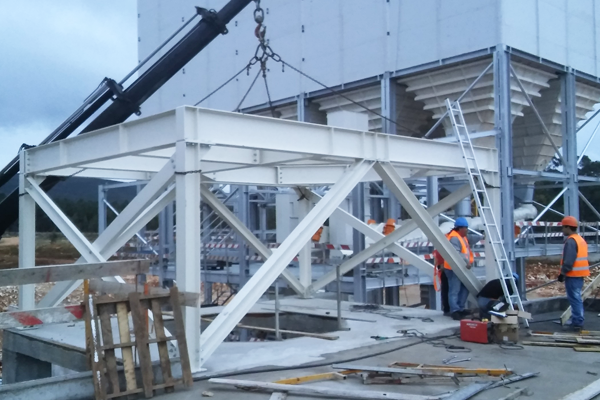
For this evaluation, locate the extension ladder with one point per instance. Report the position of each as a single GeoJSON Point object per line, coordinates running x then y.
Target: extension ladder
{"type": "Point", "coordinates": [482, 200]}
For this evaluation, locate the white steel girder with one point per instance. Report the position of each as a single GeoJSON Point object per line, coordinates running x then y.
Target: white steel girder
{"type": "Point", "coordinates": [218, 330]}
{"type": "Point", "coordinates": [236, 139]}
{"type": "Point", "coordinates": [189, 232]}
{"type": "Point", "coordinates": [26, 300]}
{"type": "Point", "coordinates": [422, 218]}
{"type": "Point", "coordinates": [222, 211]}
{"type": "Point", "coordinates": [111, 239]}
{"type": "Point", "coordinates": [389, 241]}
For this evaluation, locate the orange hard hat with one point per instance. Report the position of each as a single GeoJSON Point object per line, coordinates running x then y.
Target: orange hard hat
{"type": "Point", "coordinates": [391, 221]}
{"type": "Point", "coordinates": [569, 221]}
{"type": "Point", "coordinates": [371, 221]}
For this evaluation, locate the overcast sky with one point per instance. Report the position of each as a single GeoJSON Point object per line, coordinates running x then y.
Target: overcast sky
{"type": "Point", "coordinates": [53, 54]}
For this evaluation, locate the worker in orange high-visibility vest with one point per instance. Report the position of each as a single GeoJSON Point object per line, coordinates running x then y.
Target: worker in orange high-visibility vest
{"type": "Point", "coordinates": [457, 291]}
{"type": "Point", "coordinates": [574, 266]}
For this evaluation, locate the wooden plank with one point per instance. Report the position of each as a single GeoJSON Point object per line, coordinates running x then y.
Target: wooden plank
{"type": "Point", "coordinates": [184, 356]}
{"type": "Point", "coordinates": [138, 317]}
{"type": "Point", "coordinates": [299, 333]}
{"type": "Point", "coordinates": [388, 370]}
{"type": "Point", "coordinates": [456, 370]}
{"type": "Point", "coordinates": [109, 354]}
{"type": "Point", "coordinates": [163, 350]}
{"type": "Point", "coordinates": [126, 352]}
{"type": "Point", "coordinates": [585, 293]}
{"type": "Point", "coordinates": [317, 377]}
{"type": "Point", "coordinates": [319, 391]}
{"type": "Point", "coordinates": [467, 392]}
{"type": "Point", "coordinates": [121, 290]}
{"type": "Point", "coordinates": [93, 344]}
{"type": "Point", "coordinates": [548, 344]}
{"type": "Point", "coordinates": [587, 393]}
{"type": "Point", "coordinates": [585, 349]}
{"type": "Point", "coordinates": [69, 272]}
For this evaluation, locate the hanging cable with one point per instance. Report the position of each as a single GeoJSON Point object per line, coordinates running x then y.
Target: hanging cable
{"type": "Point", "coordinates": [237, 109]}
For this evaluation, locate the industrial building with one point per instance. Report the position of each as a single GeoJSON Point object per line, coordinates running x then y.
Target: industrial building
{"type": "Point", "coordinates": [277, 157]}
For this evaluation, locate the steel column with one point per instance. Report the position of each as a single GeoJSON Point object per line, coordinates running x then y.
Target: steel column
{"type": "Point", "coordinates": [358, 243]}
{"type": "Point", "coordinates": [304, 261]}
{"type": "Point", "coordinates": [232, 314]}
{"type": "Point", "coordinates": [422, 218]}
{"type": "Point", "coordinates": [569, 139]}
{"type": "Point", "coordinates": [188, 260]}
{"type": "Point", "coordinates": [503, 125]}
{"type": "Point", "coordinates": [243, 210]}
{"type": "Point", "coordinates": [388, 125]}
{"type": "Point", "coordinates": [26, 299]}
{"type": "Point", "coordinates": [242, 230]}
{"type": "Point", "coordinates": [101, 209]}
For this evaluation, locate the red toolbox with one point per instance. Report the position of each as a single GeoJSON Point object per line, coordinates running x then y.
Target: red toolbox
{"type": "Point", "coordinates": [475, 331]}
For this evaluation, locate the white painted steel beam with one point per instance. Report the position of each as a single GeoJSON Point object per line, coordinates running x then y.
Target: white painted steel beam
{"type": "Point", "coordinates": [189, 232]}
{"type": "Point", "coordinates": [26, 300]}
{"type": "Point", "coordinates": [218, 330]}
{"type": "Point", "coordinates": [62, 222]}
{"type": "Point", "coordinates": [229, 217]}
{"type": "Point", "coordinates": [107, 242]}
{"type": "Point", "coordinates": [245, 139]}
{"type": "Point", "coordinates": [408, 200]}
{"type": "Point", "coordinates": [389, 241]}
{"type": "Point", "coordinates": [304, 256]}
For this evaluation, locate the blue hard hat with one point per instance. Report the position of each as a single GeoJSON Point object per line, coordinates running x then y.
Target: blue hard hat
{"type": "Point", "coordinates": [516, 276]}
{"type": "Point", "coordinates": [461, 222]}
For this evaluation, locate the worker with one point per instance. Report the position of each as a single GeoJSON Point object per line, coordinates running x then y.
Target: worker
{"type": "Point", "coordinates": [457, 291]}
{"type": "Point", "coordinates": [574, 266]}
{"type": "Point", "coordinates": [492, 295]}
{"type": "Point", "coordinates": [443, 281]}
{"type": "Point", "coordinates": [389, 226]}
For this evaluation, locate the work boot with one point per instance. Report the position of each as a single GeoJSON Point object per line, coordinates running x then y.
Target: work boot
{"type": "Point", "coordinates": [466, 312]}
{"type": "Point", "coordinates": [457, 316]}
{"type": "Point", "coordinates": [447, 314]}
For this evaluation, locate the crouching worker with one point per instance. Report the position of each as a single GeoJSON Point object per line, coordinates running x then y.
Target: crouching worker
{"type": "Point", "coordinates": [492, 295]}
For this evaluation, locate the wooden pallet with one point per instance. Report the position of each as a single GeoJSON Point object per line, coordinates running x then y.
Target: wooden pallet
{"type": "Point", "coordinates": [102, 347]}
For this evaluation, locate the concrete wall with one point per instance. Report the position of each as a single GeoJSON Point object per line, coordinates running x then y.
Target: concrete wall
{"type": "Point", "coordinates": [341, 41]}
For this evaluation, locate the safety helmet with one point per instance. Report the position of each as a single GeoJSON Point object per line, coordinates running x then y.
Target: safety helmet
{"type": "Point", "coordinates": [569, 221]}
{"type": "Point", "coordinates": [461, 222]}
{"type": "Point", "coordinates": [515, 276]}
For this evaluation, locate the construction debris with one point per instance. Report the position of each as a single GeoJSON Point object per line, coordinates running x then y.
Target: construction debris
{"type": "Point", "coordinates": [587, 393]}
{"type": "Point", "coordinates": [323, 392]}
{"type": "Point", "coordinates": [516, 393]}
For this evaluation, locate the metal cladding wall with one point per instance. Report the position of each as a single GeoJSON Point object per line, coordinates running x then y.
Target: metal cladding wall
{"type": "Point", "coordinates": [342, 41]}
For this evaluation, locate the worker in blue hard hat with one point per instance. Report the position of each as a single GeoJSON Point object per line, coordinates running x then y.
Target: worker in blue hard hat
{"type": "Point", "coordinates": [457, 291]}
{"type": "Point", "coordinates": [491, 296]}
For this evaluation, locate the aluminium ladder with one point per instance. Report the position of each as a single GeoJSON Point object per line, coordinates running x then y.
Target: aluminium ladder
{"type": "Point", "coordinates": [486, 213]}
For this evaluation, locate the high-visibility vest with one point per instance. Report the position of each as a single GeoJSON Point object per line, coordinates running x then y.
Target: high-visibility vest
{"type": "Point", "coordinates": [581, 266]}
{"type": "Point", "coordinates": [465, 249]}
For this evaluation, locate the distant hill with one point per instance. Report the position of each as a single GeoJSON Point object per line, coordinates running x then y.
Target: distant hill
{"type": "Point", "coordinates": [75, 188]}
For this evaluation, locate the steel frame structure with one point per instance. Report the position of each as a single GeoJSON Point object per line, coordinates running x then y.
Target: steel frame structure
{"type": "Point", "coordinates": [180, 151]}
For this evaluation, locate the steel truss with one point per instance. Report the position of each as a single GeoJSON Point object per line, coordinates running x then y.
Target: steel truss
{"type": "Point", "coordinates": [181, 151]}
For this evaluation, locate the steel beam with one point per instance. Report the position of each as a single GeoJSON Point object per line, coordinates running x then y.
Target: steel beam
{"type": "Point", "coordinates": [406, 228]}
{"type": "Point", "coordinates": [226, 215]}
{"type": "Point", "coordinates": [503, 124]}
{"type": "Point", "coordinates": [188, 259]}
{"type": "Point", "coordinates": [422, 218]}
{"type": "Point", "coordinates": [232, 314]}
{"type": "Point", "coordinates": [26, 300]}
{"type": "Point", "coordinates": [569, 128]}
{"type": "Point", "coordinates": [107, 242]}
{"type": "Point", "coordinates": [358, 245]}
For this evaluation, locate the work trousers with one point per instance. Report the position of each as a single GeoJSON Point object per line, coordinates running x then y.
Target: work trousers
{"type": "Point", "coordinates": [573, 287]}
{"type": "Point", "coordinates": [457, 292]}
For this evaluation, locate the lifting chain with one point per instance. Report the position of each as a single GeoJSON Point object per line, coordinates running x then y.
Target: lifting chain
{"type": "Point", "coordinates": [263, 50]}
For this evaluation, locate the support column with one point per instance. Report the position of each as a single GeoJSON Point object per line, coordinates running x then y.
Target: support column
{"type": "Point", "coordinates": [388, 125]}
{"type": "Point", "coordinates": [433, 194]}
{"type": "Point", "coordinates": [26, 236]}
{"type": "Point", "coordinates": [187, 266]}
{"type": "Point", "coordinates": [101, 209]}
{"type": "Point", "coordinates": [569, 149]}
{"type": "Point", "coordinates": [358, 243]}
{"type": "Point", "coordinates": [301, 107]}
{"type": "Point", "coordinates": [242, 214]}
{"type": "Point", "coordinates": [503, 124]}
{"type": "Point", "coordinates": [304, 260]}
